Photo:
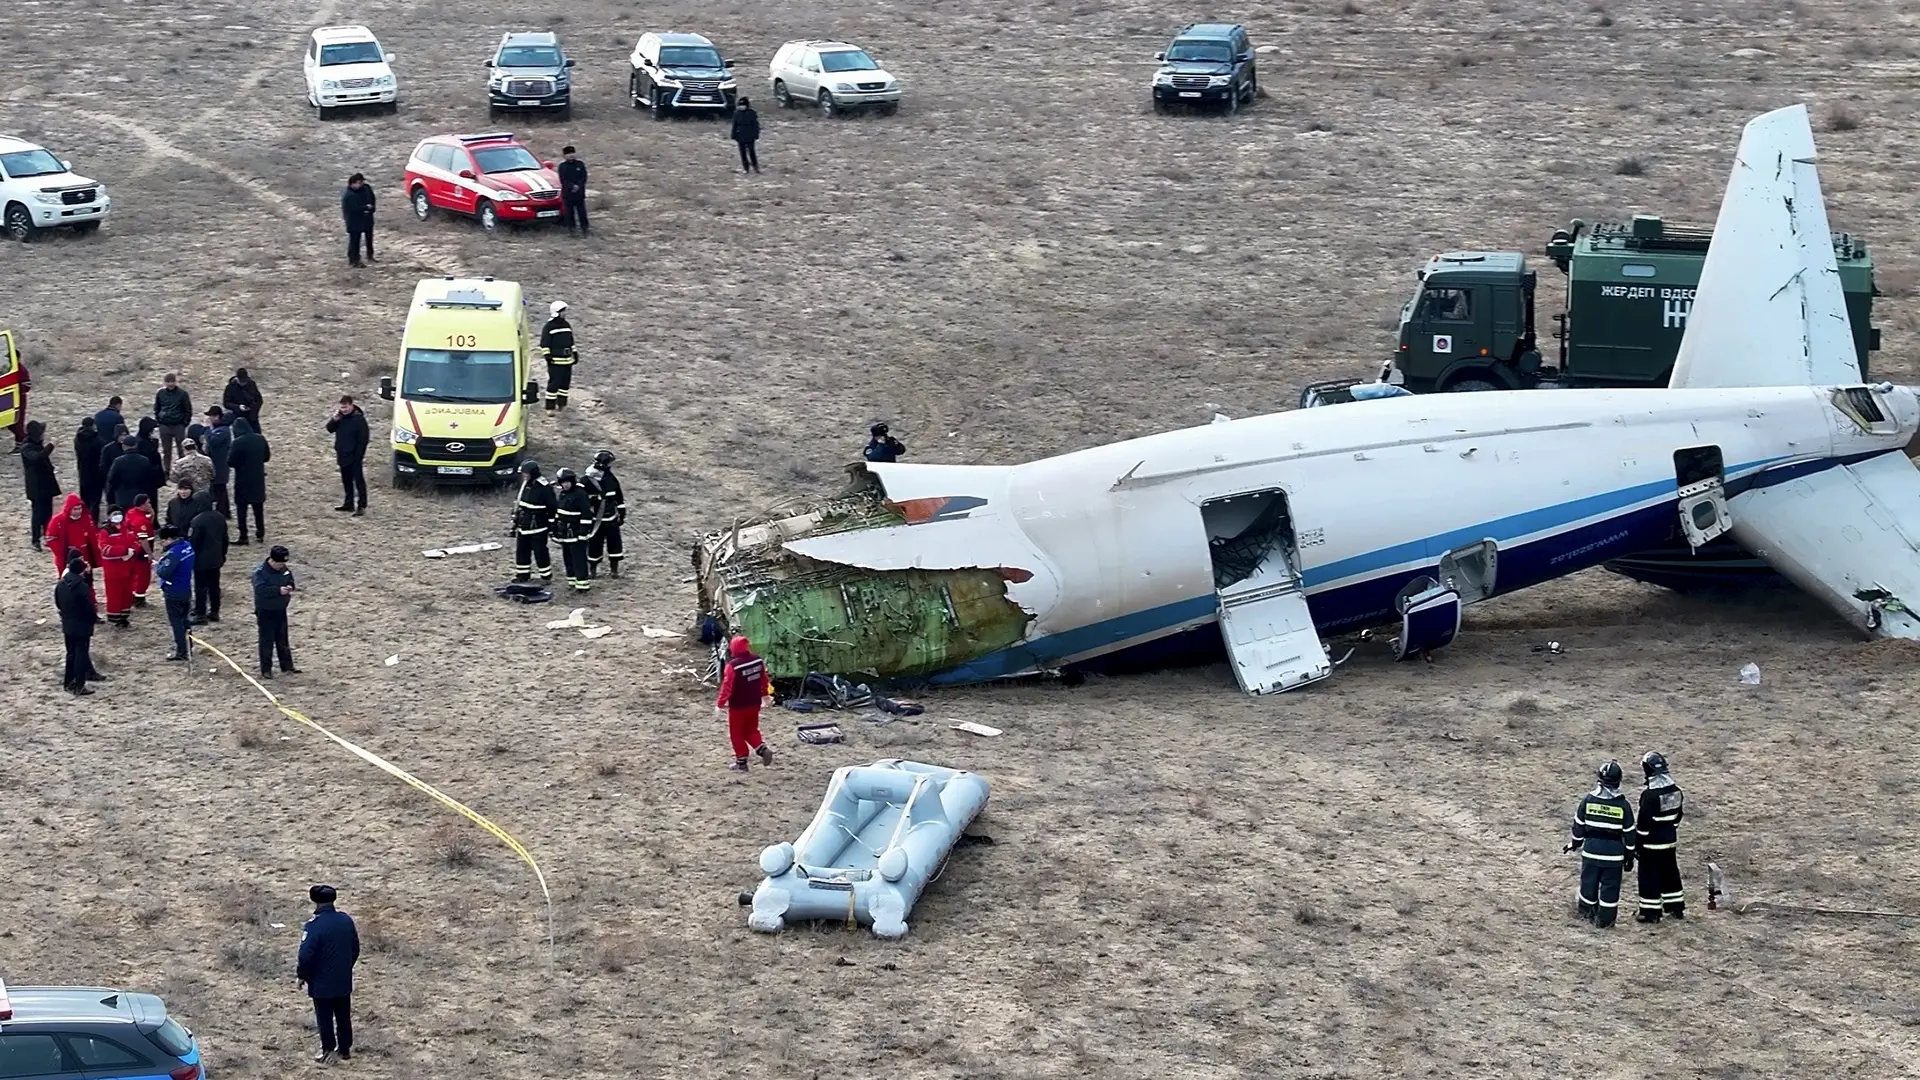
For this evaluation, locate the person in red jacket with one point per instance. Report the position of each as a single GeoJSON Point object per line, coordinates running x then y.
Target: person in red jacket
{"type": "Point", "coordinates": [72, 529]}
{"type": "Point", "coordinates": [140, 523]}
{"type": "Point", "coordinates": [120, 552]}
{"type": "Point", "coordinates": [743, 686]}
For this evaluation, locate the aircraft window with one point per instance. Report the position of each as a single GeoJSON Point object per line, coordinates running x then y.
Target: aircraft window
{"type": "Point", "coordinates": [1451, 305]}
{"type": "Point", "coordinates": [1861, 406]}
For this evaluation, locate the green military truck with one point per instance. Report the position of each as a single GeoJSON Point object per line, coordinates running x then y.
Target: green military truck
{"type": "Point", "coordinates": [1471, 326]}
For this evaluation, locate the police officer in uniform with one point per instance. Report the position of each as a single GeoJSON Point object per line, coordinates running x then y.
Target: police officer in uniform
{"type": "Point", "coordinates": [882, 446]}
{"type": "Point", "coordinates": [610, 508]}
{"type": "Point", "coordinates": [556, 345]}
{"type": "Point", "coordinates": [573, 527]}
{"type": "Point", "coordinates": [533, 512]}
{"type": "Point", "coordinates": [1661, 807]}
{"type": "Point", "coordinates": [1603, 831]}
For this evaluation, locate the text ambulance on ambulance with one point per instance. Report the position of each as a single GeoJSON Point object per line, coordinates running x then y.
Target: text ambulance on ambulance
{"type": "Point", "coordinates": [460, 395]}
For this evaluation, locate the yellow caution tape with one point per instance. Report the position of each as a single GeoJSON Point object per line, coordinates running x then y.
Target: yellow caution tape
{"type": "Point", "coordinates": [408, 778]}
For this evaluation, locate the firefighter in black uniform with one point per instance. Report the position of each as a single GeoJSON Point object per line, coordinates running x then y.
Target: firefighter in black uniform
{"type": "Point", "coordinates": [1661, 807]}
{"type": "Point", "coordinates": [556, 345]}
{"type": "Point", "coordinates": [573, 526]}
{"type": "Point", "coordinates": [1603, 831]}
{"type": "Point", "coordinates": [610, 509]}
{"type": "Point", "coordinates": [532, 515]}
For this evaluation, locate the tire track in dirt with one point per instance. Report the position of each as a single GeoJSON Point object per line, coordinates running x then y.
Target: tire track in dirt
{"type": "Point", "coordinates": [249, 80]}
{"type": "Point", "coordinates": [160, 147]}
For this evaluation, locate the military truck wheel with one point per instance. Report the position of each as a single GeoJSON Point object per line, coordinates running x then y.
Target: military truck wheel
{"type": "Point", "coordinates": [1469, 386]}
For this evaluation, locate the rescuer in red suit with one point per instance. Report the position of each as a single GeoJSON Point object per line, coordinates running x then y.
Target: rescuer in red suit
{"type": "Point", "coordinates": [743, 687]}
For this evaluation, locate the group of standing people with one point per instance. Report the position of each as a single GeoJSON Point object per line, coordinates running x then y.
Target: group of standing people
{"type": "Point", "coordinates": [584, 512]}
{"type": "Point", "coordinates": [1611, 839]}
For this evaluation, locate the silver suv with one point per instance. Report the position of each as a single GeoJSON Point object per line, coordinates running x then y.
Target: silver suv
{"type": "Point", "coordinates": [529, 71]}
{"type": "Point", "coordinates": [834, 75]}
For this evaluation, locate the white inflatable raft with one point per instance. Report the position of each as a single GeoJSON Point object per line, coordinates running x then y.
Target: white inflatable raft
{"type": "Point", "coordinates": [881, 835]}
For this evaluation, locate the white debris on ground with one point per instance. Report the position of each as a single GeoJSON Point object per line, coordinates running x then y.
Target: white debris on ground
{"type": "Point", "coordinates": [577, 618]}
{"type": "Point", "coordinates": [972, 728]}
{"type": "Point", "coordinates": [461, 549]}
{"type": "Point", "coordinates": [657, 632]}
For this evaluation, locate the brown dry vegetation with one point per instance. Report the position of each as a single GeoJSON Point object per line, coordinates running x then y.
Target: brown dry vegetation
{"type": "Point", "coordinates": [1357, 881]}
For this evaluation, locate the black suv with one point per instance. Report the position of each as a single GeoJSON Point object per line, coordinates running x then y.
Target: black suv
{"type": "Point", "coordinates": [1207, 64]}
{"type": "Point", "coordinates": [532, 72]}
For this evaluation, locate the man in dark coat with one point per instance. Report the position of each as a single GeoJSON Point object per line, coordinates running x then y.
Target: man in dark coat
{"type": "Point", "coordinates": [111, 447]}
{"type": "Point", "coordinates": [573, 190]}
{"type": "Point", "coordinates": [172, 411]}
{"type": "Point", "coordinates": [242, 399]}
{"type": "Point", "coordinates": [110, 420]}
{"type": "Point", "coordinates": [349, 427]}
{"type": "Point", "coordinates": [746, 132]}
{"type": "Point", "coordinates": [219, 440]}
{"type": "Point", "coordinates": [181, 508]}
{"type": "Point", "coordinates": [272, 591]}
{"type": "Point", "coordinates": [329, 947]}
{"type": "Point", "coordinates": [248, 460]}
{"type": "Point", "coordinates": [74, 597]}
{"type": "Point", "coordinates": [207, 532]}
{"type": "Point", "coordinates": [87, 444]}
{"type": "Point", "coordinates": [36, 469]}
{"type": "Point", "coordinates": [129, 475]}
{"type": "Point", "coordinates": [356, 207]}
{"type": "Point", "coordinates": [882, 446]}
{"type": "Point", "coordinates": [147, 442]}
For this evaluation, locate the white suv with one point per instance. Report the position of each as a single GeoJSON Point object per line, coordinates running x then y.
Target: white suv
{"type": "Point", "coordinates": [39, 191]}
{"type": "Point", "coordinates": [345, 66]}
{"type": "Point", "coordinates": [833, 75]}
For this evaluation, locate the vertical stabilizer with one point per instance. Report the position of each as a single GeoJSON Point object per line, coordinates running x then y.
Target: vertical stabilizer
{"type": "Point", "coordinates": [1769, 310]}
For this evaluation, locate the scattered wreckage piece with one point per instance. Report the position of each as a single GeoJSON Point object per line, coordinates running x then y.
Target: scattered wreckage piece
{"type": "Point", "coordinates": [881, 834]}
{"type": "Point", "coordinates": [463, 549]}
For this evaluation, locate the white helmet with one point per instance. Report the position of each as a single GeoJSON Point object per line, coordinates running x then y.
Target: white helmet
{"type": "Point", "coordinates": [557, 306]}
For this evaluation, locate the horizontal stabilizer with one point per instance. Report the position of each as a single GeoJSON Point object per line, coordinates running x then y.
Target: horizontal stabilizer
{"type": "Point", "coordinates": [1769, 310]}
{"type": "Point", "coordinates": [1849, 535]}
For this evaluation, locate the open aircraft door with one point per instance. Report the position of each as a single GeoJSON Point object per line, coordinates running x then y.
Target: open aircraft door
{"type": "Point", "coordinates": [13, 387]}
{"type": "Point", "coordinates": [1269, 632]}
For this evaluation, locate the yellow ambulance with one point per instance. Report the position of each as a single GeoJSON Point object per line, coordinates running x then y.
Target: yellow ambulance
{"type": "Point", "coordinates": [463, 388]}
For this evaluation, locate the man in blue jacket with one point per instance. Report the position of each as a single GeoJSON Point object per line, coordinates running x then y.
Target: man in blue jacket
{"type": "Point", "coordinates": [175, 571]}
{"type": "Point", "coordinates": [219, 440]}
{"type": "Point", "coordinates": [329, 947]}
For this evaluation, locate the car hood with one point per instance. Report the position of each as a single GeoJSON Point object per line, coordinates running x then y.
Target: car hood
{"type": "Point", "coordinates": [873, 75]}
{"type": "Point", "coordinates": [530, 72]}
{"type": "Point", "coordinates": [60, 181]}
{"type": "Point", "coordinates": [525, 180]}
{"type": "Point", "coordinates": [458, 421]}
{"type": "Point", "coordinates": [714, 73]}
{"type": "Point", "coordinates": [1196, 67]}
{"type": "Point", "coordinates": [370, 70]}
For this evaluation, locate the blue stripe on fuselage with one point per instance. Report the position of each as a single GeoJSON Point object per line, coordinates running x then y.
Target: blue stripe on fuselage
{"type": "Point", "coordinates": [1369, 601]}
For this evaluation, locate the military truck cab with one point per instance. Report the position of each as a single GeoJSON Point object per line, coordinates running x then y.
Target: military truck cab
{"type": "Point", "coordinates": [1470, 324]}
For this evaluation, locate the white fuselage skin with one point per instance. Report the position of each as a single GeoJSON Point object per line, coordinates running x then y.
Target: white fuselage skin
{"type": "Point", "coordinates": [1377, 492]}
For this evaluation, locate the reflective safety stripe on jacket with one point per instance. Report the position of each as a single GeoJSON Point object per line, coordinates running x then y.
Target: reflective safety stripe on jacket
{"type": "Point", "coordinates": [1661, 809]}
{"type": "Point", "coordinates": [1604, 826]}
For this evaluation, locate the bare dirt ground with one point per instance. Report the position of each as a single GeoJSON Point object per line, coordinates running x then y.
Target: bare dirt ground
{"type": "Point", "coordinates": [1357, 881]}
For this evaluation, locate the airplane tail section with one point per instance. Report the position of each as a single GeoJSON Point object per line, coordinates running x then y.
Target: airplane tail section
{"type": "Point", "coordinates": [1769, 310]}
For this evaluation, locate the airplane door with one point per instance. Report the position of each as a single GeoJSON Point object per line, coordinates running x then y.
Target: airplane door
{"type": "Point", "coordinates": [1269, 632]}
{"type": "Point", "coordinates": [1703, 496]}
{"type": "Point", "coordinates": [1429, 618]}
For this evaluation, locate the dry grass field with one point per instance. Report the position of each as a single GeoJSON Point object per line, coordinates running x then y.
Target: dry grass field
{"type": "Point", "coordinates": [1361, 880]}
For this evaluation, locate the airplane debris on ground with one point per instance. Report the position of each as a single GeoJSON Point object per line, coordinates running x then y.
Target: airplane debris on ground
{"type": "Point", "coordinates": [1267, 534]}
{"type": "Point", "coordinates": [463, 549]}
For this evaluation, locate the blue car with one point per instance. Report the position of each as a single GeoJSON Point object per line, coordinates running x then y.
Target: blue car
{"type": "Point", "coordinates": [91, 1033]}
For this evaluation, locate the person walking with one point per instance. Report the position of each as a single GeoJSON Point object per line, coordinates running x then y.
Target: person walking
{"type": "Point", "coordinates": [247, 459]}
{"type": "Point", "coordinates": [350, 436]}
{"type": "Point", "coordinates": [72, 529]}
{"type": "Point", "coordinates": [1603, 832]}
{"type": "Point", "coordinates": [126, 472]}
{"type": "Point", "coordinates": [573, 524]}
{"type": "Point", "coordinates": [87, 444]}
{"type": "Point", "coordinates": [743, 688]}
{"type": "Point", "coordinates": [172, 411]}
{"type": "Point", "coordinates": [746, 132]}
{"type": "Point", "coordinates": [208, 534]}
{"type": "Point", "coordinates": [191, 466]}
{"type": "Point", "coordinates": [273, 590]}
{"type": "Point", "coordinates": [356, 206]}
{"type": "Point", "coordinates": [120, 552]}
{"type": "Point", "coordinates": [533, 511]}
{"type": "Point", "coordinates": [140, 524]}
{"type": "Point", "coordinates": [241, 399]}
{"type": "Point", "coordinates": [882, 446]}
{"type": "Point", "coordinates": [36, 472]}
{"type": "Point", "coordinates": [175, 571]}
{"type": "Point", "coordinates": [219, 442]}
{"type": "Point", "coordinates": [610, 508]}
{"type": "Point", "coordinates": [573, 190]}
{"type": "Point", "coordinates": [1661, 808]}
{"type": "Point", "coordinates": [73, 596]}
{"type": "Point", "coordinates": [329, 947]}
{"type": "Point", "coordinates": [110, 420]}
{"type": "Point", "coordinates": [556, 345]}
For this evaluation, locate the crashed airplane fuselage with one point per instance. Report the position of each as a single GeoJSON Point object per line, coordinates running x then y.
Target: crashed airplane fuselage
{"type": "Point", "coordinates": [1281, 529]}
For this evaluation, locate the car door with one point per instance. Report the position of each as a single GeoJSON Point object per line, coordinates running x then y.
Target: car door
{"type": "Point", "coordinates": [459, 188]}
{"type": "Point", "coordinates": [104, 1058]}
{"type": "Point", "coordinates": [37, 1055]}
{"type": "Point", "coordinates": [806, 83]}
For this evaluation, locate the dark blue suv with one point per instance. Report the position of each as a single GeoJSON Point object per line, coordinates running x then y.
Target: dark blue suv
{"type": "Point", "coordinates": [1206, 64]}
{"type": "Point", "coordinates": [90, 1033]}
